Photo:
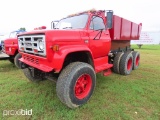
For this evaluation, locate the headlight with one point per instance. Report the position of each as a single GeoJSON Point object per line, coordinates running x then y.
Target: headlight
{"type": "Point", "coordinates": [41, 45]}
{"type": "Point", "coordinates": [10, 49]}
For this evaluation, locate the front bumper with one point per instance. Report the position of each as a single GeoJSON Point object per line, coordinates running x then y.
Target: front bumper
{"type": "Point", "coordinates": [36, 62]}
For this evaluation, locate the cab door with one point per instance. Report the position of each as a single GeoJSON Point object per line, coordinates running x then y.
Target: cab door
{"type": "Point", "coordinates": [100, 41]}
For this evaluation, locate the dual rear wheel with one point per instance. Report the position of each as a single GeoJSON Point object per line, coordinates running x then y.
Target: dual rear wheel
{"type": "Point", "coordinates": [125, 62]}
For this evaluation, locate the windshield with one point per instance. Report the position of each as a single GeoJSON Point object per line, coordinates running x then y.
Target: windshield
{"type": "Point", "coordinates": [14, 34]}
{"type": "Point", "coordinates": [75, 22]}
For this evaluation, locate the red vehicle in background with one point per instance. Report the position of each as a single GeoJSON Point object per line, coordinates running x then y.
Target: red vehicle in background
{"type": "Point", "coordinates": [10, 47]}
{"type": "Point", "coordinates": [78, 47]}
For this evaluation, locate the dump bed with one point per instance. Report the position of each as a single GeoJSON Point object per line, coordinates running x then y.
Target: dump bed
{"type": "Point", "coordinates": [124, 29]}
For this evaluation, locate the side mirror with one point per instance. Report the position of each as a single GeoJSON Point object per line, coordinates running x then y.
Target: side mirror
{"type": "Point", "coordinates": [53, 24]}
{"type": "Point", "coordinates": [109, 19]}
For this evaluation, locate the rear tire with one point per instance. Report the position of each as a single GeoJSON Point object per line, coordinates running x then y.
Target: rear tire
{"type": "Point", "coordinates": [126, 63]}
{"type": "Point", "coordinates": [136, 59]}
{"type": "Point", "coordinates": [36, 77]}
{"type": "Point", "coordinates": [16, 60]}
{"type": "Point", "coordinates": [76, 84]}
{"type": "Point", "coordinates": [116, 62]}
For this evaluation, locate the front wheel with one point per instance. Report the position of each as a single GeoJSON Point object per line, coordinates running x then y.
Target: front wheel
{"type": "Point", "coordinates": [75, 84]}
{"type": "Point", "coordinates": [34, 75]}
{"type": "Point", "coordinates": [16, 60]}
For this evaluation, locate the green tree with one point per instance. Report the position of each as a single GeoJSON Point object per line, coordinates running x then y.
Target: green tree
{"type": "Point", "coordinates": [22, 29]}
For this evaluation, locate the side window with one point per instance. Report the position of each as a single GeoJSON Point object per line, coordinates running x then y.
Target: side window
{"type": "Point", "coordinates": [13, 34]}
{"type": "Point", "coordinates": [97, 23]}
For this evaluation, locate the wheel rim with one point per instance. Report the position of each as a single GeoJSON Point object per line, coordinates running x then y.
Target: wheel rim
{"type": "Point", "coordinates": [83, 86]}
{"type": "Point", "coordinates": [137, 60]}
{"type": "Point", "coordinates": [129, 64]}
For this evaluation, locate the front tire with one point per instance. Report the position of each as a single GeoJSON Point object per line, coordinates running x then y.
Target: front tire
{"type": "Point", "coordinates": [76, 84]}
{"type": "Point", "coordinates": [16, 60]}
{"type": "Point", "coordinates": [33, 74]}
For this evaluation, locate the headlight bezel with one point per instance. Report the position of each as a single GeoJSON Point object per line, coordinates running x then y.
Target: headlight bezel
{"type": "Point", "coordinates": [41, 45]}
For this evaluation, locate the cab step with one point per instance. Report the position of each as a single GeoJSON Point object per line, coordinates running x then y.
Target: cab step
{"type": "Point", "coordinates": [103, 67]}
{"type": "Point", "coordinates": [107, 72]}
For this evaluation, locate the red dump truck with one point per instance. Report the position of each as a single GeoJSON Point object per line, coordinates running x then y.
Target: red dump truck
{"type": "Point", "coordinates": [10, 47]}
{"type": "Point", "coordinates": [78, 47]}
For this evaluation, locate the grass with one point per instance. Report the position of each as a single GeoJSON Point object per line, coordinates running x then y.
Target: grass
{"type": "Point", "coordinates": [116, 97]}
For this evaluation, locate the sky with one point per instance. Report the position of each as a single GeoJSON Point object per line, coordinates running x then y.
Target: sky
{"type": "Point", "coordinates": [34, 13]}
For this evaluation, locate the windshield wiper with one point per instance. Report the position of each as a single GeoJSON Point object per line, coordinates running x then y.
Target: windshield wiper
{"type": "Point", "coordinates": [101, 29]}
{"type": "Point", "coordinates": [67, 27]}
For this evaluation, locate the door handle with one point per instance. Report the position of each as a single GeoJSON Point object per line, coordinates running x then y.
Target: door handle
{"type": "Point", "coordinates": [107, 33]}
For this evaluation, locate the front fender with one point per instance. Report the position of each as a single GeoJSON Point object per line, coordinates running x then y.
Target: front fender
{"type": "Point", "coordinates": [60, 56]}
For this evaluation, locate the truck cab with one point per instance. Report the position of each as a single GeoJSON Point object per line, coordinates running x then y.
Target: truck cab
{"type": "Point", "coordinates": [78, 47]}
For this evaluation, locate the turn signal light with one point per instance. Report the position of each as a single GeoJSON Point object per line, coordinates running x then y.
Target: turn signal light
{"type": "Point", "coordinates": [43, 27]}
{"type": "Point", "coordinates": [22, 48]}
{"type": "Point", "coordinates": [35, 50]}
{"type": "Point", "coordinates": [55, 48]}
{"type": "Point", "coordinates": [40, 28]}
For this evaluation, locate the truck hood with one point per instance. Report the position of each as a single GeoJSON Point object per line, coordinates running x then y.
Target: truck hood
{"type": "Point", "coordinates": [33, 32]}
{"type": "Point", "coordinates": [10, 41]}
{"type": "Point", "coordinates": [57, 34]}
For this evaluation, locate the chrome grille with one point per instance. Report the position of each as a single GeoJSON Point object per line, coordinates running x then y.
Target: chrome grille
{"type": "Point", "coordinates": [34, 44]}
